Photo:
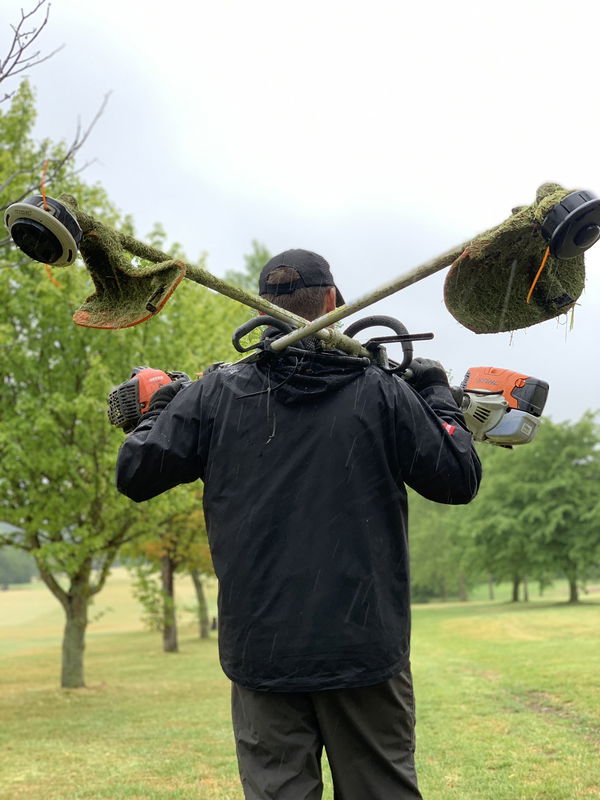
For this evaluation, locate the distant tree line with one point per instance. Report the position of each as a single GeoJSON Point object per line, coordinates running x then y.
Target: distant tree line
{"type": "Point", "coordinates": [536, 519]}
{"type": "Point", "coordinates": [15, 567]}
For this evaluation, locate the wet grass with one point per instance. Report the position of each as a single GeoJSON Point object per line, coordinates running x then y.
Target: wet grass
{"type": "Point", "coordinates": [509, 701]}
{"type": "Point", "coordinates": [508, 704]}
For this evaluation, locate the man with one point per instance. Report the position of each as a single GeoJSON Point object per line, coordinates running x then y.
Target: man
{"type": "Point", "coordinates": [305, 457]}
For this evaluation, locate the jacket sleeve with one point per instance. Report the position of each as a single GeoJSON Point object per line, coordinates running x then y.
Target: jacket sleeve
{"type": "Point", "coordinates": [436, 451]}
{"type": "Point", "coordinates": [165, 449]}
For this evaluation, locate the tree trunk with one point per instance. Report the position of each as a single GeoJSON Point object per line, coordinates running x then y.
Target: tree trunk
{"type": "Point", "coordinates": [462, 588]}
{"type": "Point", "coordinates": [202, 605]}
{"type": "Point", "coordinates": [73, 646]}
{"type": "Point", "coordinates": [515, 589]}
{"type": "Point", "coordinates": [573, 590]}
{"type": "Point", "coordinates": [525, 590]}
{"type": "Point", "coordinates": [167, 577]}
{"type": "Point", "coordinates": [491, 588]}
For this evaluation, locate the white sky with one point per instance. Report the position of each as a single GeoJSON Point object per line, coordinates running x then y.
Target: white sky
{"type": "Point", "coordinates": [377, 133]}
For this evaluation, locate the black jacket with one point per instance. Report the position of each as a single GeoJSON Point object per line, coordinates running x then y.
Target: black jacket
{"type": "Point", "coordinates": [305, 463]}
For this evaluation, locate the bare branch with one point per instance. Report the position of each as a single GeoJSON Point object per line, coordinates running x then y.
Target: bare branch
{"type": "Point", "coordinates": [55, 165]}
{"type": "Point", "coordinates": [52, 584]}
{"type": "Point", "coordinates": [32, 61]}
{"type": "Point", "coordinates": [104, 570]}
{"type": "Point", "coordinates": [20, 56]}
{"type": "Point", "coordinates": [21, 36]}
{"type": "Point", "coordinates": [19, 172]}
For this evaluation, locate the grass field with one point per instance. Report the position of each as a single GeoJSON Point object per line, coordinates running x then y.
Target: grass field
{"type": "Point", "coordinates": [508, 703]}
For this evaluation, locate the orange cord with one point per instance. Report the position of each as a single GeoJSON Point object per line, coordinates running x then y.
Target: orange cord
{"type": "Point", "coordinates": [43, 184]}
{"type": "Point", "coordinates": [51, 276]}
{"type": "Point", "coordinates": [43, 189]}
{"type": "Point", "coordinates": [539, 272]}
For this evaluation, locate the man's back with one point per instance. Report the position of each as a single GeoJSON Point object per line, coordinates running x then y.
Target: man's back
{"type": "Point", "coordinates": [304, 462]}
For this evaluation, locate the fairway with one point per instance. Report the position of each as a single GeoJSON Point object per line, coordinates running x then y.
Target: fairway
{"type": "Point", "coordinates": [508, 702]}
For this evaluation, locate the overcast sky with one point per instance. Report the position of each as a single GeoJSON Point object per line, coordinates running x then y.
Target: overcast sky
{"type": "Point", "coordinates": [377, 133]}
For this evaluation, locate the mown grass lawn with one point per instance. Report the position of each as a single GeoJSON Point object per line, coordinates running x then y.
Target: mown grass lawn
{"type": "Point", "coordinates": [508, 704]}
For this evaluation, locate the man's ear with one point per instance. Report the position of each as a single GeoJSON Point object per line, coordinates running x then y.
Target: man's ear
{"type": "Point", "coordinates": [330, 299]}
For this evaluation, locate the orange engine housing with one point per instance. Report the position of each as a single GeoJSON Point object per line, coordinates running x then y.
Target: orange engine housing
{"type": "Point", "coordinates": [148, 381]}
{"type": "Point", "coordinates": [520, 391]}
{"type": "Point", "coordinates": [131, 399]}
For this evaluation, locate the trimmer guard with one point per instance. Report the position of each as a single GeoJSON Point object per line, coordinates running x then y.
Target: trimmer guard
{"type": "Point", "coordinates": [487, 286]}
{"type": "Point", "coordinates": [129, 297]}
{"type": "Point", "coordinates": [125, 294]}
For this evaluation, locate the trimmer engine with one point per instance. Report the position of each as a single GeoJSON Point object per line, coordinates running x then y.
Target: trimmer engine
{"type": "Point", "coordinates": [502, 407]}
{"type": "Point", "coordinates": [131, 399]}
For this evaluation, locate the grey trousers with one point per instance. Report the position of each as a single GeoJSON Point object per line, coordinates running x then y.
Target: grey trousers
{"type": "Point", "coordinates": [368, 734]}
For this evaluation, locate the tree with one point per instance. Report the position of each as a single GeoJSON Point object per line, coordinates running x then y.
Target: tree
{"type": "Point", "coordinates": [502, 548]}
{"type": "Point", "coordinates": [56, 448]}
{"type": "Point", "coordinates": [538, 512]}
{"type": "Point", "coordinates": [199, 565]}
{"type": "Point", "coordinates": [21, 55]}
{"type": "Point", "coordinates": [46, 372]}
{"type": "Point", "coordinates": [180, 546]}
{"type": "Point", "coordinates": [440, 551]}
{"type": "Point", "coordinates": [564, 522]}
{"type": "Point", "coordinates": [253, 264]}
{"type": "Point", "coordinates": [163, 550]}
{"type": "Point", "coordinates": [22, 160]}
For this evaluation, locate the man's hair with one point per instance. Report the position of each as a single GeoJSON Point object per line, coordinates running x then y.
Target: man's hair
{"type": "Point", "coordinates": [307, 302]}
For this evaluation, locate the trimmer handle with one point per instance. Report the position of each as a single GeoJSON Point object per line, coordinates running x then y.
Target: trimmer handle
{"type": "Point", "coordinates": [252, 324]}
{"type": "Point", "coordinates": [399, 329]}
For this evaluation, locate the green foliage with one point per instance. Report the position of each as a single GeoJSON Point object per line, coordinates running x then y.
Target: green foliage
{"type": "Point", "coordinates": [564, 468]}
{"type": "Point", "coordinates": [147, 591]}
{"type": "Point", "coordinates": [55, 474]}
{"type": "Point", "coordinates": [440, 551]}
{"type": "Point", "coordinates": [182, 543]}
{"type": "Point", "coordinates": [539, 513]}
{"type": "Point", "coordinates": [254, 262]}
{"type": "Point", "coordinates": [56, 447]}
{"type": "Point", "coordinates": [537, 516]}
{"type": "Point", "coordinates": [503, 547]}
{"type": "Point", "coordinates": [18, 151]}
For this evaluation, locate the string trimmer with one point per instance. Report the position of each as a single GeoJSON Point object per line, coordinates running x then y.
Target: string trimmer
{"type": "Point", "coordinates": [527, 269]}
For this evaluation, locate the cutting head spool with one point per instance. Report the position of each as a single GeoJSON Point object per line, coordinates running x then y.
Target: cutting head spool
{"type": "Point", "coordinates": [572, 226]}
{"type": "Point", "coordinates": [44, 229]}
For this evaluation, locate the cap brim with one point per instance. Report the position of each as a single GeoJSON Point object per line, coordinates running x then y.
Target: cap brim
{"type": "Point", "coordinates": [339, 300]}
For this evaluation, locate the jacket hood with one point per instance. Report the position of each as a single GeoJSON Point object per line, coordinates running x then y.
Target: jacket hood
{"type": "Point", "coordinates": [302, 374]}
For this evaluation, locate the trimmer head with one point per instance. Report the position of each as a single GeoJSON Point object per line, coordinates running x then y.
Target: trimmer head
{"type": "Point", "coordinates": [44, 229]}
{"type": "Point", "coordinates": [488, 286]}
{"type": "Point", "coordinates": [573, 225]}
{"type": "Point", "coordinates": [53, 231]}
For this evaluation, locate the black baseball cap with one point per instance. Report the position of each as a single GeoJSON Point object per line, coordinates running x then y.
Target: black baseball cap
{"type": "Point", "coordinates": [311, 267]}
